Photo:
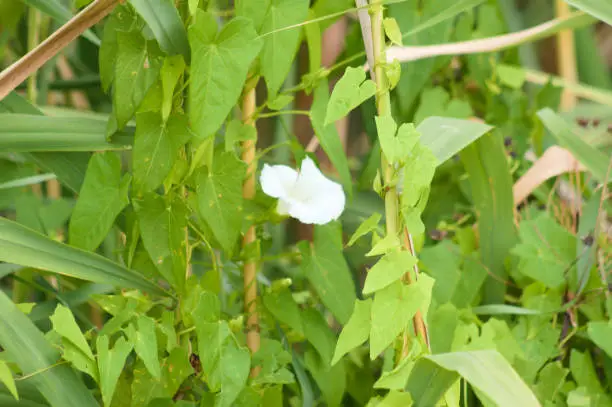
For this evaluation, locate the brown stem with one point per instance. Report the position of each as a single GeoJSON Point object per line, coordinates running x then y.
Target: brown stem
{"type": "Point", "coordinates": [33, 60]}
{"type": "Point", "coordinates": [420, 327]}
{"type": "Point", "coordinates": [250, 265]}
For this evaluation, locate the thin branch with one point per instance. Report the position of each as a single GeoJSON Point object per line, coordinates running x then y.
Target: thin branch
{"type": "Point", "coordinates": [11, 77]}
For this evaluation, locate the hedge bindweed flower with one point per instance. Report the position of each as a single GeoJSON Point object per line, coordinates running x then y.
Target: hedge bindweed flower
{"type": "Point", "coordinates": [307, 195]}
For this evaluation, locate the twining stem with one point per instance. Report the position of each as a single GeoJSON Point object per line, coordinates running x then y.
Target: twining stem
{"type": "Point", "coordinates": [250, 265]}
{"type": "Point", "coordinates": [383, 107]}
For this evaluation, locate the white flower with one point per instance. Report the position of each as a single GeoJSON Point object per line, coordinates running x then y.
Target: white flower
{"type": "Point", "coordinates": [307, 196]}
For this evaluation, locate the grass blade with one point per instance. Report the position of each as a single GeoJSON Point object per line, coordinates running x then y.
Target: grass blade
{"type": "Point", "coordinates": [491, 187]}
{"type": "Point", "coordinates": [23, 246]}
{"type": "Point", "coordinates": [28, 348]}
{"type": "Point", "coordinates": [31, 133]}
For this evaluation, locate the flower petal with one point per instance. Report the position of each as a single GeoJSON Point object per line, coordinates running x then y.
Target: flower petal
{"type": "Point", "coordinates": [277, 180]}
{"type": "Point", "coordinates": [314, 198]}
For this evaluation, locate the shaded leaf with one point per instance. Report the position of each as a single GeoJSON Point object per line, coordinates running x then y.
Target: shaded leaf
{"type": "Point", "coordinates": [326, 269]}
{"type": "Point", "coordinates": [328, 136]}
{"type": "Point", "coordinates": [103, 196]}
{"type": "Point", "coordinates": [156, 147]}
{"type": "Point", "coordinates": [163, 18]}
{"type": "Point", "coordinates": [162, 227]}
{"type": "Point", "coordinates": [220, 198]}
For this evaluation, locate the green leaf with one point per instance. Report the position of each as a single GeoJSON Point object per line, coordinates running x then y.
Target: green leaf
{"type": "Point", "coordinates": [397, 378]}
{"type": "Point", "coordinates": [282, 306]}
{"type": "Point", "coordinates": [392, 30]}
{"type": "Point", "coordinates": [215, 91]}
{"type": "Point", "coordinates": [145, 344]}
{"type": "Point", "coordinates": [446, 137]}
{"type": "Point", "coordinates": [437, 102]}
{"type": "Point", "coordinates": [388, 270]}
{"type": "Point", "coordinates": [156, 148]}
{"type": "Point", "coordinates": [171, 71]}
{"type": "Point", "coordinates": [27, 347]}
{"type": "Point", "coordinates": [318, 333]}
{"type": "Point", "coordinates": [595, 160]}
{"type": "Point", "coordinates": [442, 263]}
{"type": "Point", "coordinates": [396, 143]}
{"type": "Point", "coordinates": [103, 196]}
{"type": "Point", "coordinates": [367, 226]}
{"type": "Point", "coordinates": [487, 371]}
{"type": "Point", "coordinates": [396, 399]}
{"type": "Point", "coordinates": [162, 228]}
{"type": "Point", "coordinates": [175, 369]}
{"type": "Point", "coordinates": [328, 136]}
{"type": "Point", "coordinates": [350, 91]}
{"type": "Point", "coordinates": [422, 24]}
{"type": "Point", "coordinates": [384, 245]}
{"type": "Point", "coordinates": [20, 245]}
{"type": "Point", "coordinates": [65, 325]}
{"type": "Point", "coordinates": [546, 250]}
{"type": "Point", "coordinates": [30, 133]}
{"type": "Point", "coordinates": [331, 380]}
{"type": "Point", "coordinates": [511, 76]}
{"type": "Point", "coordinates": [56, 10]}
{"type": "Point", "coordinates": [111, 363]}
{"type": "Point", "coordinates": [356, 331]}
{"type": "Point", "coordinates": [326, 269]}
{"type": "Point", "coordinates": [120, 20]}
{"type": "Point", "coordinates": [393, 308]}
{"type": "Point", "coordinates": [136, 70]}
{"type": "Point", "coordinates": [6, 377]}
{"type": "Point", "coordinates": [237, 132]}
{"type": "Point", "coordinates": [254, 10]}
{"type": "Point", "coordinates": [600, 333]}
{"type": "Point", "coordinates": [164, 20]}
{"type": "Point", "coordinates": [220, 198]}
{"type": "Point", "coordinates": [225, 364]}
{"type": "Point", "coordinates": [280, 45]}
{"type": "Point", "coordinates": [584, 374]}
{"type": "Point", "coordinates": [485, 160]}
{"type": "Point", "coordinates": [600, 9]}
{"type": "Point", "coordinates": [272, 359]}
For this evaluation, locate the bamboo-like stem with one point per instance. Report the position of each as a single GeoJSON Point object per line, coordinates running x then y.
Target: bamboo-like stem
{"type": "Point", "coordinates": [566, 56]}
{"type": "Point", "coordinates": [24, 67]}
{"type": "Point", "coordinates": [250, 265]}
{"type": "Point", "coordinates": [383, 106]}
{"type": "Point", "coordinates": [34, 20]}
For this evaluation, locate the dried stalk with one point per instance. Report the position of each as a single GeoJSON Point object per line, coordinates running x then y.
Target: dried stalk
{"type": "Point", "coordinates": [12, 76]}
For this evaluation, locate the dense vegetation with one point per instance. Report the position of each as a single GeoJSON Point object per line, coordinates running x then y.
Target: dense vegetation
{"type": "Point", "coordinates": [305, 203]}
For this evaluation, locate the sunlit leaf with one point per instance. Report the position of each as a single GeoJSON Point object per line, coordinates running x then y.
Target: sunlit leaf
{"type": "Point", "coordinates": [356, 331]}
{"type": "Point", "coordinates": [350, 91]}
{"type": "Point", "coordinates": [213, 91]}
{"type": "Point", "coordinates": [111, 362]}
